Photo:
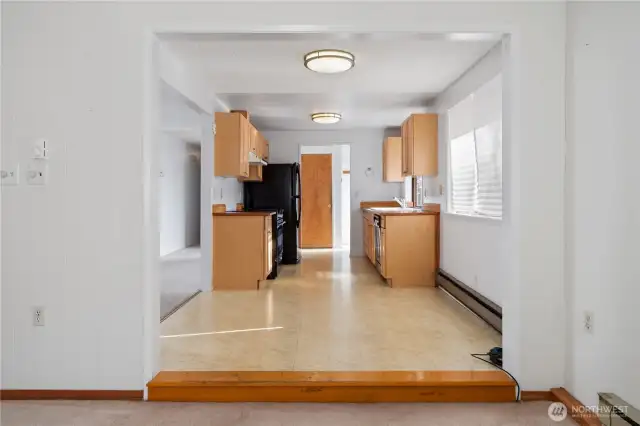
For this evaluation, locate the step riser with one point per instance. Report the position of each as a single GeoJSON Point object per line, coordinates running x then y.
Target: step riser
{"type": "Point", "coordinates": [346, 394]}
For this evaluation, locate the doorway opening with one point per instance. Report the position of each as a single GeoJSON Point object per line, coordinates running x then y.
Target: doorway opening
{"type": "Point", "coordinates": [335, 310]}
{"type": "Point", "coordinates": [179, 187]}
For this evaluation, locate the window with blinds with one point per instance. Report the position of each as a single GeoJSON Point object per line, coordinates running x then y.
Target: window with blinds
{"type": "Point", "coordinates": [475, 153]}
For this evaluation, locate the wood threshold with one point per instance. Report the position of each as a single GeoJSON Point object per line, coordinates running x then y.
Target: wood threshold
{"type": "Point", "coordinates": [332, 386]}
{"type": "Point", "coordinates": [577, 410]}
{"type": "Point", "coordinates": [536, 396]}
{"type": "Point", "coordinates": [40, 394]}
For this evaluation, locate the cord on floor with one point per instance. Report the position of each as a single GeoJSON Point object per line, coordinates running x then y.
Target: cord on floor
{"type": "Point", "coordinates": [477, 356]}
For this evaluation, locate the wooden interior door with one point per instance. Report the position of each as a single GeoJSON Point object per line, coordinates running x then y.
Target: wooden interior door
{"type": "Point", "coordinates": [316, 225]}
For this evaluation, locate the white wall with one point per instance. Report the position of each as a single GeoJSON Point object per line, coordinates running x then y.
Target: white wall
{"type": "Point", "coordinates": [472, 249]}
{"type": "Point", "coordinates": [179, 211]}
{"type": "Point", "coordinates": [366, 152]}
{"type": "Point", "coordinates": [346, 196]}
{"type": "Point", "coordinates": [179, 176]}
{"type": "Point", "coordinates": [603, 199]}
{"type": "Point", "coordinates": [99, 283]}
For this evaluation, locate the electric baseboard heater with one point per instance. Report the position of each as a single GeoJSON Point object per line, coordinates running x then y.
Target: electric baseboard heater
{"type": "Point", "coordinates": [474, 301]}
{"type": "Point", "coordinates": [615, 411]}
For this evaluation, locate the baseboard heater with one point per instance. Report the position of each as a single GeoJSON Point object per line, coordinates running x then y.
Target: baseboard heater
{"type": "Point", "coordinates": [474, 301]}
{"type": "Point", "coordinates": [614, 410]}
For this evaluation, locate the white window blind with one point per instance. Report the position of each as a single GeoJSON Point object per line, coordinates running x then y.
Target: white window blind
{"type": "Point", "coordinates": [475, 152]}
{"type": "Point", "coordinates": [489, 162]}
{"type": "Point", "coordinates": [464, 176]}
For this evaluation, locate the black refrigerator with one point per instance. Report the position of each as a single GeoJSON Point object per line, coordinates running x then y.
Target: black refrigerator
{"type": "Point", "coordinates": [279, 189]}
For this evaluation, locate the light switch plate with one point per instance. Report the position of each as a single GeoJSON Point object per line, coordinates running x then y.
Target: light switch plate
{"type": "Point", "coordinates": [10, 177]}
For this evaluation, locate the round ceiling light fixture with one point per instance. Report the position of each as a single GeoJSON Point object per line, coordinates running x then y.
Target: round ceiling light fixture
{"type": "Point", "coordinates": [329, 61]}
{"type": "Point", "coordinates": [326, 117]}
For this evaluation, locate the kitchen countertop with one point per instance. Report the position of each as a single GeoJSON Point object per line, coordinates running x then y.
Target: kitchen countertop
{"type": "Point", "coordinates": [399, 212]}
{"type": "Point", "coordinates": [252, 213]}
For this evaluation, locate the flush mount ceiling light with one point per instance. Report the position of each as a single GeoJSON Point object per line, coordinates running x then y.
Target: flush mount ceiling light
{"type": "Point", "coordinates": [329, 61]}
{"type": "Point", "coordinates": [326, 117]}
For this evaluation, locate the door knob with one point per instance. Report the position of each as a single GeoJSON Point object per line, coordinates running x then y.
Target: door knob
{"type": "Point", "coordinates": [329, 206]}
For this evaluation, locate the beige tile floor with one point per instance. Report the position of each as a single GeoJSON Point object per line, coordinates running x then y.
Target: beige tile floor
{"type": "Point", "coordinates": [331, 312]}
{"type": "Point", "coordinates": [112, 413]}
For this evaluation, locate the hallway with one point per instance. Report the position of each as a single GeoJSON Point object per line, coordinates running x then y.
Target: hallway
{"type": "Point", "coordinates": [328, 313]}
{"type": "Point", "coordinates": [179, 278]}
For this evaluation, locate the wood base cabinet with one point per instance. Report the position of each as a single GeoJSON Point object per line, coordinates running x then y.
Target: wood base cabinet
{"type": "Point", "coordinates": [409, 245]}
{"type": "Point", "coordinates": [242, 250]}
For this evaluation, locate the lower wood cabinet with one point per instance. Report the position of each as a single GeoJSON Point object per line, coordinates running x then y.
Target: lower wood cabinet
{"type": "Point", "coordinates": [408, 247]}
{"type": "Point", "coordinates": [242, 250]}
{"type": "Point", "coordinates": [410, 250]}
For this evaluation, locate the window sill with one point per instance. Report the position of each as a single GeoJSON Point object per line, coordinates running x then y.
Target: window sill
{"type": "Point", "coordinates": [474, 216]}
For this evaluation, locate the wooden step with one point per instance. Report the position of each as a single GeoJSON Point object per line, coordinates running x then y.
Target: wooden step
{"type": "Point", "coordinates": [332, 386]}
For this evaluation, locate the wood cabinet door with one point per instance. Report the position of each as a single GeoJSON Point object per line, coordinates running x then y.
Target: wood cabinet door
{"type": "Point", "coordinates": [316, 223]}
{"type": "Point", "coordinates": [268, 248]}
{"type": "Point", "coordinates": [425, 145]}
{"type": "Point", "coordinates": [383, 252]}
{"type": "Point", "coordinates": [392, 160]}
{"type": "Point", "coordinates": [405, 148]}
{"type": "Point", "coordinates": [245, 141]}
{"type": "Point", "coordinates": [410, 147]}
{"type": "Point", "coordinates": [265, 149]}
{"type": "Point", "coordinates": [253, 139]}
{"type": "Point", "coordinates": [365, 237]}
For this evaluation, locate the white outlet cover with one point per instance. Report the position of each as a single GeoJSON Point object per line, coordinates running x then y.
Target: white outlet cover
{"type": "Point", "coordinates": [38, 316]}
{"type": "Point", "coordinates": [588, 321]}
{"type": "Point", "coordinates": [10, 177]}
{"type": "Point", "coordinates": [38, 173]}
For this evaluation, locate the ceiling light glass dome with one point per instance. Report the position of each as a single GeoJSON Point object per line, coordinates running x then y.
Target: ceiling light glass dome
{"type": "Point", "coordinates": [329, 61]}
{"type": "Point", "coordinates": [326, 117]}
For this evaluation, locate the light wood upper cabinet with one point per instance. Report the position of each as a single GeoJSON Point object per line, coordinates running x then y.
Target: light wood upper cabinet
{"type": "Point", "coordinates": [232, 142]}
{"type": "Point", "coordinates": [254, 145]}
{"type": "Point", "coordinates": [392, 160]}
{"type": "Point", "coordinates": [420, 145]}
{"type": "Point", "coordinates": [255, 174]}
{"type": "Point", "coordinates": [265, 148]}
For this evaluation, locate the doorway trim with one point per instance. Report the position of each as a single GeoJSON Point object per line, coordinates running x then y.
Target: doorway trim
{"type": "Point", "coordinates": [520, 65]}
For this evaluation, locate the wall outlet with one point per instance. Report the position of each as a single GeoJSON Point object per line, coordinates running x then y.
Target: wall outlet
{"type": "Point", "coordinates": [10, 177]}
{"type": "Point", "coordinates": [588, 322]}
{"type": "Point", "coordinates": [38, 173]}
{"type": "Point", "coordinates": [38, 316]}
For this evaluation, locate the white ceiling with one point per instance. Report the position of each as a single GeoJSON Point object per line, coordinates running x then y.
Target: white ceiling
{"type": "Point", "coordinates": [395, 74]}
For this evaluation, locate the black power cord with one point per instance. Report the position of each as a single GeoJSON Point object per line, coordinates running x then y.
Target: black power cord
{"type": "Point", "coordinates": [478, 356]}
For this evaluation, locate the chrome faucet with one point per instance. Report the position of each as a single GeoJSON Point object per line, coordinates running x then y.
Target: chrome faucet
{"type": "Point", "coordinates": [401, 201]}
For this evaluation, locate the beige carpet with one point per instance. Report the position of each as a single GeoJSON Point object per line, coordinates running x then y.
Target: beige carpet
{"type": "Point", "coordinates": [96, 413]}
